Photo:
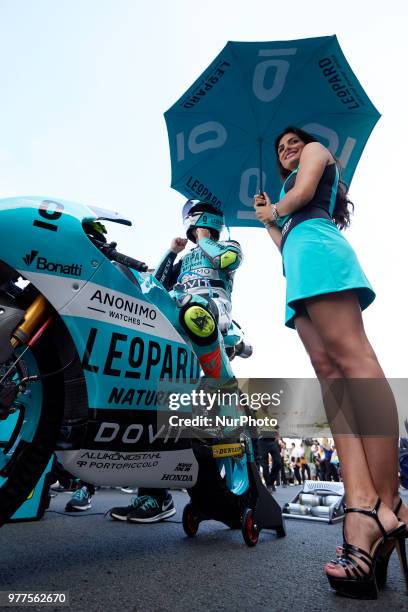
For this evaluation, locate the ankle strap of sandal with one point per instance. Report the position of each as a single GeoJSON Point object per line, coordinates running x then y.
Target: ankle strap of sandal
{"type": "Point", "coordinates": [371, 513]}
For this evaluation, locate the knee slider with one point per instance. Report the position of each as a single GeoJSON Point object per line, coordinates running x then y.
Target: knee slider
{"type": "Point", "coordinates": [199, 324]}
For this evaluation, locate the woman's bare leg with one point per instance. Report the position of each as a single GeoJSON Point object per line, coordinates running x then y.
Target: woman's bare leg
{"type": "Point", "coordinates": [337, 319]}
{"type": "Point", "coordinates": [360, 488]}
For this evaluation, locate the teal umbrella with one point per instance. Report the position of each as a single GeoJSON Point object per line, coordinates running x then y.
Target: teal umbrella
{"type": "Point", "coordinates": [222, 130]}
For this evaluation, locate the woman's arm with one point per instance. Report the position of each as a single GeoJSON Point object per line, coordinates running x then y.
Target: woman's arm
{"type": "Point", "coordinates": [312, 162]}
{"type": "Point", "coordinates": [275, 233]}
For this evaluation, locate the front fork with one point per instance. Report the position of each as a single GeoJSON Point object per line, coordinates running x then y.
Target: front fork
{"type": "Point", "coordinates": [35, 320]}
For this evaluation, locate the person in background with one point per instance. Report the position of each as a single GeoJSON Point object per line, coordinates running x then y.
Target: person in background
{"type": "Point", "coordinates": [314, 462]}
{"type": "Point", "coordinates": [269, 450]}
{"type": "Point", "coordinates": [308, 443]}
{"type": "Point", "coordinates": [327, 452]}
{"type": "Point", "coordinates": [65, 481]}
{"type": "Point", "coordinates": [295, 466]}
{"type": "Point", "coordinates": [283, 457]}
{"type": "Point", "coordinates": [318, 457]}
{"type": "Point", "coordinates": [321, 463]}
{"type": "Point", "coordinates": [334, 465]}
{"type": "Point", "coordinates": [304, 467]}
{"type": "Point", "coordinates": [268, 446]}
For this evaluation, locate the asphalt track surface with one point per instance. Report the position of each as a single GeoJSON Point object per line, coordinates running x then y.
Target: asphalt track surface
{"type": "Point", "coordinates": [113, 566]}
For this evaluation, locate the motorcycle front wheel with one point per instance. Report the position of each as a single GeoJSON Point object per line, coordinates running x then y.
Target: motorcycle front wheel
{"type": "Point", "coordinates": [28, 435]}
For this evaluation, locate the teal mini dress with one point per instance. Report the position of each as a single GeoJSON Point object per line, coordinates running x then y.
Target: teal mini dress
{"type": "Point", "coordinates": [317, 259]}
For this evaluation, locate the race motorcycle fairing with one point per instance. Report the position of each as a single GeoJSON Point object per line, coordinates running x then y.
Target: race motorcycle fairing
{"type": "Point", "coordinates": [123, 327]}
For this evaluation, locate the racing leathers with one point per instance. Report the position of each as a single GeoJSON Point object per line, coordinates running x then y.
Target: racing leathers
{"type": "Point", "coordinates": [201, 283]}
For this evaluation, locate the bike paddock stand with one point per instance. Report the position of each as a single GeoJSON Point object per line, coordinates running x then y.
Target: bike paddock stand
{"type": "Point", "coordinates": [264, 512]}
{"type": "Point", "coordinates": [211, 499]}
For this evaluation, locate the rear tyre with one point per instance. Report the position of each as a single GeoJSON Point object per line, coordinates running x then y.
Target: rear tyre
{"type": "Point", "coordinates": [250, 531]}
{"type": "Point", "coordinates": [190, 521]}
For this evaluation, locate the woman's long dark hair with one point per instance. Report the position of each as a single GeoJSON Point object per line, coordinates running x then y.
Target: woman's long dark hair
{"type": "Point", "coordinates": [344, 206]}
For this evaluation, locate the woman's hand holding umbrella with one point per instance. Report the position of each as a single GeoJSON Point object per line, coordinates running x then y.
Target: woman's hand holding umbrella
{"type": "Point", "coordinates": [264, 213]}
{"type": "Point", "coordinates": [263, 208]}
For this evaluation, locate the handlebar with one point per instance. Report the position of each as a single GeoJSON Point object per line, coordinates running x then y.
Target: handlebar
{"type": "Point", "coordinates": [129, 262]}
{"type": "Point", "coordinates": [110, 251]}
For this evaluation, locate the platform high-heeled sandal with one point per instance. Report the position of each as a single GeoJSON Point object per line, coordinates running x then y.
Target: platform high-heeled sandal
{"type": "Point", "coordinates": [381, 569]}
{"type": "Point", "coordinates": [359, 565]}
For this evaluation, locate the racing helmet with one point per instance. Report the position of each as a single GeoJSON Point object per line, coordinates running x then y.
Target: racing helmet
{"type": "Point", "coordinates": [202, 214]}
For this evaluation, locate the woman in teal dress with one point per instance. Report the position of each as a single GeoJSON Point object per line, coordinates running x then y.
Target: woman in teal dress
{"type": "Point", "coordinates": [326, 292]}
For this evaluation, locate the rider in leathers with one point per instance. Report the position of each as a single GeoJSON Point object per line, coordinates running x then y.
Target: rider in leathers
{"type": "Point", "coordinates": [202, 283]}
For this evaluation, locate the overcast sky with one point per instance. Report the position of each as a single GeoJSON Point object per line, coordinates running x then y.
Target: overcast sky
{"type": "Point", "coordinates": [84, 84]}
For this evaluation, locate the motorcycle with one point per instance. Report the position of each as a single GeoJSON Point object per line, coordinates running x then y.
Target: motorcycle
{"type": "Point", "coordinates": [87, 337]}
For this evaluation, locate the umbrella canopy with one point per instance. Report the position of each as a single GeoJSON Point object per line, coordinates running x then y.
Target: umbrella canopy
{"type": "Point", "coordinates": [222, 130]}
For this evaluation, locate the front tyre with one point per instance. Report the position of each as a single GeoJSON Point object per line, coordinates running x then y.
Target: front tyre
{"type": "Point", "coordinates": [27, 441]}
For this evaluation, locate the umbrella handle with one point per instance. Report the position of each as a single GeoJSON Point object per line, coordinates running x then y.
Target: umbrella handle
{"type": "Point", "coordinates": [260, 166]}
{"type": "Point", "coordinates": [260, 192]}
